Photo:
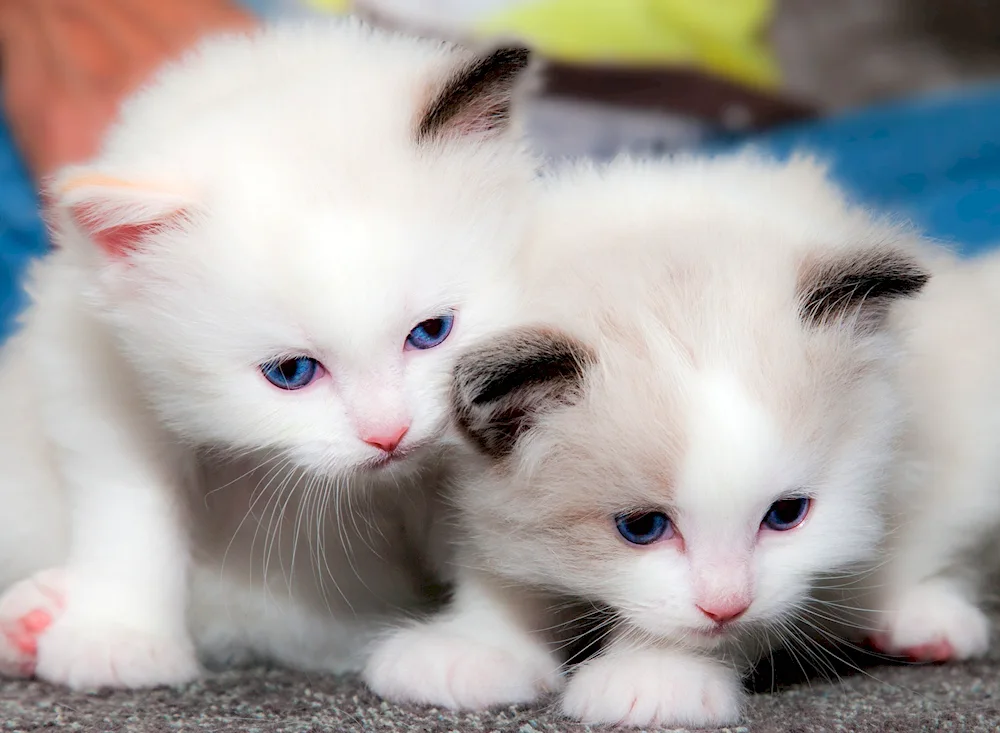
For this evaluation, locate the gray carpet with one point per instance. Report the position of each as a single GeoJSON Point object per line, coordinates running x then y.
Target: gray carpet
{"type": "Point", "coordinates": [960, 697]}
{"type": "Point", "coordinates": [836, 53]}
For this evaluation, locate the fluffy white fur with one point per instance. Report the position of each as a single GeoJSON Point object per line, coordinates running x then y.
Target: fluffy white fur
{"type": "Point", "coordinates": [945, 507]}
{"type": "Point", "coordinates": [312, 190]}
{"type": "Point", "coordinates": [706, 338]}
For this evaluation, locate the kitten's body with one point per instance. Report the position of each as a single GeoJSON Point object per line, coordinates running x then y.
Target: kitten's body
{"type": "Point", "coordinates": [722, 344]}
{"type": "Point", "coordinates": [944, 510]}
{"type": "Point", "coordinates": [303, 201]}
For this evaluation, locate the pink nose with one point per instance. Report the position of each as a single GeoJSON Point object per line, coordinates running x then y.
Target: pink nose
{"type": "Point", "coordinates": [387, 440]}
{"type": "Point", "coordinates": [724, 612]}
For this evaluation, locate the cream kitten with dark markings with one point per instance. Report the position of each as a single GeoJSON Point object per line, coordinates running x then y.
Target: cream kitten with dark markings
{"type": "Point", "coordinates": [226, 412]}
{"type": "Point", "coordinates": [699, 434]}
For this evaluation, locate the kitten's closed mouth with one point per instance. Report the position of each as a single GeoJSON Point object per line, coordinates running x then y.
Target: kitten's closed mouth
{"type": "Point", "coordinates": [389, 459]}
{"type": "Point", "coordinates": [716, 633]}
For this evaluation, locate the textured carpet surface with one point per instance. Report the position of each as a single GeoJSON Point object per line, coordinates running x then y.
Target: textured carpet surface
{"type": "Point", "coordinates": [960, 697]}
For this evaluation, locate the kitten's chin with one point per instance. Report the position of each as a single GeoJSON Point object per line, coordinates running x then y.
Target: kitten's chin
{"type": "Point", "coordinates": [705, 638]}
{"type": "Point", "coordinates": [388, 461]}
{"type": "Point", "coordinates": [712, 638]}
{"type": "Point", "coordinates": [401, 463]}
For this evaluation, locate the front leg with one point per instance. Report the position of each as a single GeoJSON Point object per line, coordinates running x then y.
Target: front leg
{"type": "Point", "coordinates": [933, 621]}
{"type": "Point", "coordinates": [927, 593]}
{"type": "Point", "coordinates": [124, 588]}
{"type": "Point", "coordinates": [653, 686]}
{"type": "Point", "coordinates": [123, 619]}
{"type": "Point", "coordinates": [489, 647]}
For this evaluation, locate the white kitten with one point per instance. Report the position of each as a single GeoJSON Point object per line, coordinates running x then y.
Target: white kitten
{"type": "Point", "coordinates": [248, 328]}
{"type": "Point", "coordinates": [693, 438]}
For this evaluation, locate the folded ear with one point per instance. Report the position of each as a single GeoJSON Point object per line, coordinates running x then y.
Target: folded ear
{"type": "Point", "coordinates": [858, 287]}
{"type": "Point", "coordinates": [501, 387]}
{"type": "Point", "coordinates": [116, 213]}
{"type": "Point", "coordinates": [477, 99]}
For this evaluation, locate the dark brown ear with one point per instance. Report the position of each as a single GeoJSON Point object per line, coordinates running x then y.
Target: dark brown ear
{"type": "Point", "coordinates": [477, 98]}
{"type": "Point", "coordinates": [501, 387]}
{"type": "Point", "coordinates": [858, 287]}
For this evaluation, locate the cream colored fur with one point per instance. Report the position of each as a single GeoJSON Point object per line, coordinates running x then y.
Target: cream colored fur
{"type": "Point", "coordinates": [706, 338]}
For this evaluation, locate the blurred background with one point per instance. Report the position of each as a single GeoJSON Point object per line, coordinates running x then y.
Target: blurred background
{"type": "Point", "coordinates": [902, 97]}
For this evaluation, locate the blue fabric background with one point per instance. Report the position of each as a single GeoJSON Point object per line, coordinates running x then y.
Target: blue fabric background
{"type": "Point", "coordinates": [22, 236]}
{"type": "Point", "coordinates": [935, 160]}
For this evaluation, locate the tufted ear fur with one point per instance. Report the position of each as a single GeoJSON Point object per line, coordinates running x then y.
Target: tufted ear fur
{"type": "Point", "coordinates": [477, 99]}
{"type": "Point", "coordinates": [858, 286]}
{"type": "Point", "coordinates": [502, 386]}
{"type": "Point", "coordinates": [116, 214]}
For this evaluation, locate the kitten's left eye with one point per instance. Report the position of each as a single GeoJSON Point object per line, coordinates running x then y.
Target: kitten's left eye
{"type": "Point", "coordinates": [644, 528]}
{"type": "Point", "coordinates": [430, 333]}
{"type": "Point", "coordinates": [291, 374]}
{"type": "Point", "coordinates": [786, 514]}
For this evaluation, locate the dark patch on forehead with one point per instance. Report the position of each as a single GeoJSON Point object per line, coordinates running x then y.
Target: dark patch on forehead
{"type": "Point", "coordinates": [865, 283]}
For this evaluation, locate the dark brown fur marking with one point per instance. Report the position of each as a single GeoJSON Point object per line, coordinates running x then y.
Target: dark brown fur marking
{"type": "Point", "coordinates": [865, 284]}
{"type": "Point", "coordinates": [501, 387]}
{"type": "Point", "coordinates": [487, 82]}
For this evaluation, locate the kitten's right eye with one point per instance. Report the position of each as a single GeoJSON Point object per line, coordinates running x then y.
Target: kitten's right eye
{"type": "Point", "coordinates": [292, 374]}
{"type": "Point", "coordinates": [430, 333]}
{"type": "Point", "coordinates": [644, 528]}
{"type": "Point", "coordinates": [786, 514]}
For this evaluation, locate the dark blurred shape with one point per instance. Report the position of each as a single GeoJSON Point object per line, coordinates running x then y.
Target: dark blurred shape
{"type": "Point", "coordinates": [844, 54]}
{"type": "Point", "coordinates": [675, 90]}
{"type": "Point", "coordinates": [969, 25]}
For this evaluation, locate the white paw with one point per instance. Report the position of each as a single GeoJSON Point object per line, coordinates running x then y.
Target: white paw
{"type": "Point", "coordinates": [41, 634]}
{"type": "Point", "coordinates": [90, 653]}
{"type": "Point", "coordinates": [934, 623]}
{"type": "Point", "coordinates": [27, 609]}
{"type": "Point", "coordinates": [647, 688]}
{"type": "Point", "coordinates": [437, 665]}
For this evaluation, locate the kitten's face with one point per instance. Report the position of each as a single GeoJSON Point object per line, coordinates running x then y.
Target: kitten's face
{"type": "Point", "coordinates": [320, 332]}
{"type": "Point", "coordinates": [710, 442]}
{"type": "Point", "coordinates": [690, 500]}
{"type": "Point", "coordinates": [310, 297]}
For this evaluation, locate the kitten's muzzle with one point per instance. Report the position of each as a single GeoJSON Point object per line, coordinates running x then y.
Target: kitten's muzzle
{"type": "Point", "coordinates": [387, 440]}
{"type": "Point", "coordinates": [725, 612]}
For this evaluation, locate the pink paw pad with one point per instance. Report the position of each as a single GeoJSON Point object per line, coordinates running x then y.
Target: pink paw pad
{"type": "Point", "coordinates": [27, 610]}
{"type": "Point", "coordinates": [937, 651]}
{"type": "Point", "coordinates": [931, 652]}
{"type": "Point", "coordinates": [25, 631]}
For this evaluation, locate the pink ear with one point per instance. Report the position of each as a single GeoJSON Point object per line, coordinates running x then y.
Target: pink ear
{"type": "Point", "coordinates": [117, 214]}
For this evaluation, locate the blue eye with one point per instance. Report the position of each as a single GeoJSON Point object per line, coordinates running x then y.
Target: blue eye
{"type": "Point", "coordinates": [430, 333]}
{"type": "Point", "coordinates": [644, 528]}
{"type": "Point", "coordinates": [787, 514]}
{"type": "Point", "coordinates": [291, 374]}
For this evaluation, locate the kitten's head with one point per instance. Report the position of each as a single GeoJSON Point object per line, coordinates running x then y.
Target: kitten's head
{"type": "Point", "coordinates": [702, 428]}
{"type": "Point", "coordinates": [294, 232]}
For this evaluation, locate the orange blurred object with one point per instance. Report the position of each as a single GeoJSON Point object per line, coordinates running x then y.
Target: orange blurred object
{"type": "Point", "coordinates": [67, 64]}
